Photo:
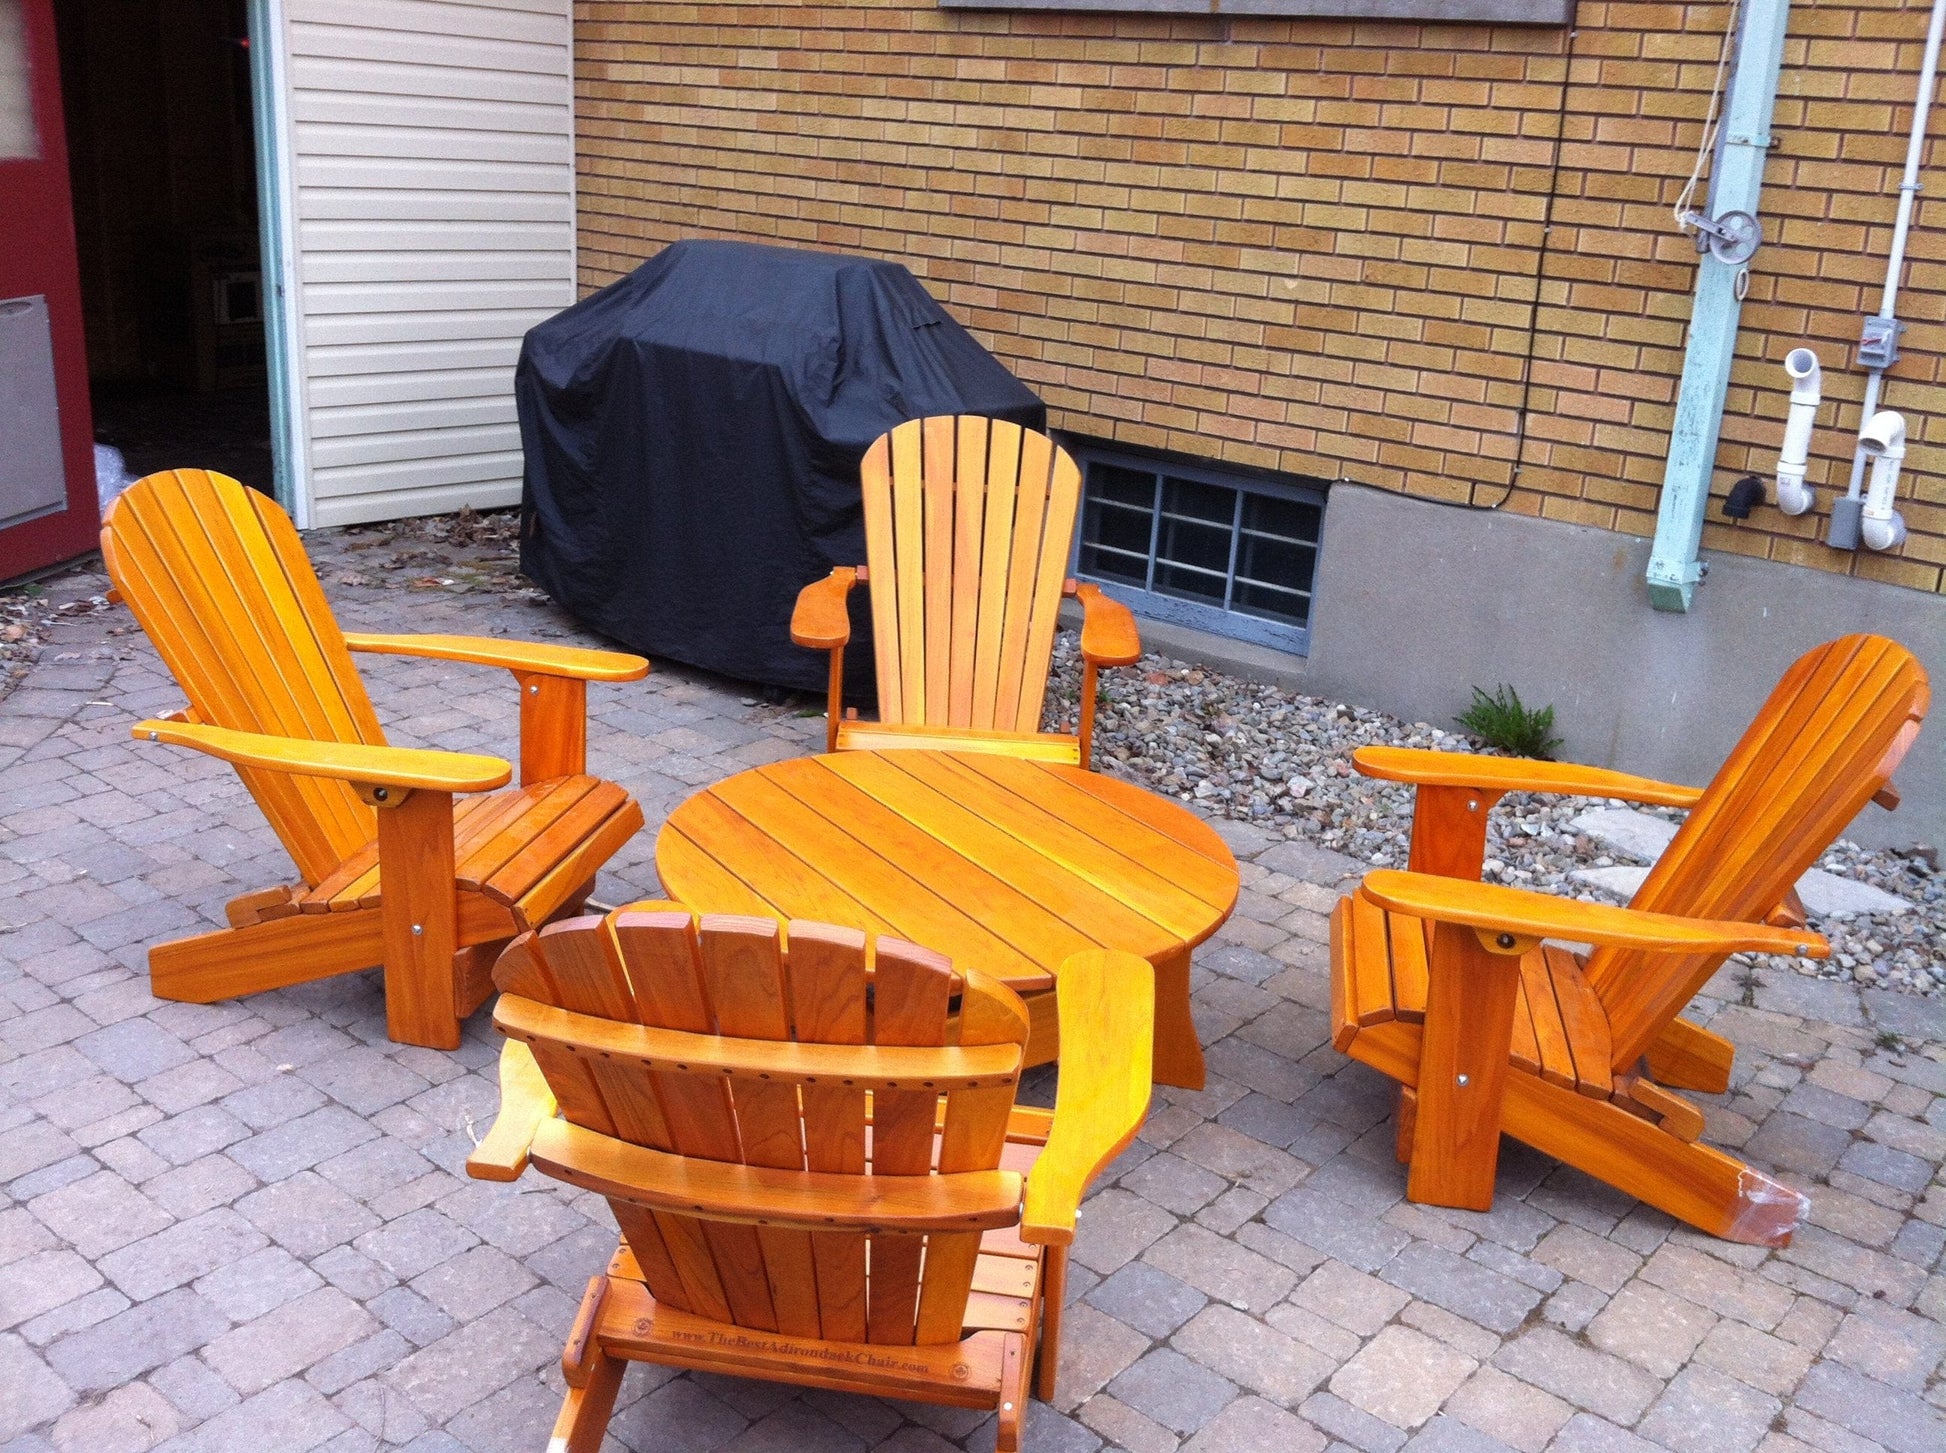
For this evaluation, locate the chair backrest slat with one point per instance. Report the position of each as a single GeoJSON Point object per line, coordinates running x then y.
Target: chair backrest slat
{"type": "Point", "coordinates": [911, 988]}
{"type": "Point", "coordinates": [828, 1006]}
{"type": "Point", "coordinates": [219, 581]}
{"type": "Point", "coordinates": [743, 971]}
{"type": "Point", "coordinates": [1829, 737]}
{"type": "Point", "coordinates": [968, 524]}
{"type": "Point", "coordinates": [713, 991]}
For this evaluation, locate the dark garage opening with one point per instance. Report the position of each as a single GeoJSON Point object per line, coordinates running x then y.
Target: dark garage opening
{"type": "Point", "coordinates": [162, 158]}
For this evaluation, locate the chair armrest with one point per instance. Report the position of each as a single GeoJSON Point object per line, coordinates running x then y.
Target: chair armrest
{"type": "Point", "coordinates": [406, 767]}
{"type": "Point", "coordinates": [1516, 774]}
{"type": "Point", "coordinates": [1108, 633]}
{"type": "Point", "coordinates": [1106, 1003]}
{"type": "Point", "coordinates": [525, 1105]}
{"type": "Point", "coordinates": [820, 619]}
{"type": "Point", "coordinates": [576, 663]}
{"type": "Point", "coordinates": [1523, 914]}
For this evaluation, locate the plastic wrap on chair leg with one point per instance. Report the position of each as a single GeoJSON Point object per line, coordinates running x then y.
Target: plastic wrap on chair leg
{"type": "Point", "coordinates": [1767, 1211]}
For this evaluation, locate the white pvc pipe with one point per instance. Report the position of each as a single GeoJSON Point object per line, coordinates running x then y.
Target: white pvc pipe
{"type": "Point", "coordinates": [1801, 364]}
{"type": "Point", "coordinates": [1908, 194]}
{"type": "Point", "coordinates": [1880, 526]}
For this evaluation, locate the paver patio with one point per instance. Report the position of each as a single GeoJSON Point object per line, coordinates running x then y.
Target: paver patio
{"type": "Point", "coordinates": [245, 1226]}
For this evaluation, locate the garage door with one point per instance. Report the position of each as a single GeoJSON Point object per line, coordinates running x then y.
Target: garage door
{"type": "Point", "coordinates": [428, 182]}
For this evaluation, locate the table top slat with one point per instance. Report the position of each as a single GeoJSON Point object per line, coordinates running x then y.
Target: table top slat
{"type": "Point", "coordinates": [1009, 867]}
{"type": "Point", "coordinates": [1009, 912]}
{"type": "Point", "coordinates": [1103, 917]}
{"type": "Point", "coordinates": [740, 859]}
{"type": "Point", "coordinates": [1103, 862]}
{"type": "Point", "coordinates": [1195, 856]}
{"type": "Point", "coordinates": [915, 909]}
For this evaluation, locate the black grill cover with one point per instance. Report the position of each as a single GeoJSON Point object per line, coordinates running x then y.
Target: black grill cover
{"type": "Point", "coordinates": [692, 437]}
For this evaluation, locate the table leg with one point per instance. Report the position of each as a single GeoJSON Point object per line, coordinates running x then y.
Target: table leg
{"type": "Point", "coordinates": [1043, 1029]}
{"type": "Point", "coordinates": [1178, 1053]}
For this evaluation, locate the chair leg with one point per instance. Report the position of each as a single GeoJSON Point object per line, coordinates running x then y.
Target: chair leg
{"type": "Point", "coordinates": [1054, 1295]}
{"type": "Point", "coordinates": [473, 975]}
{"type": "Point", "coordinates": [1406, 1114]}
{"type": "Point", "coordinates": [1178, 1053]}
{"type": "Point", "coordinates": [1014, 1381]}
{"type": "Point", "coordinates": [1462, 1071]}
{"type": "Point", "coordinates": [834, 710]}
{"type": "Point", "coordinates": [420, 910]}
{"type": "Point", "coordinates": [1693, 1182]}
{"type": "Point", "coordinates": [585, 1411]}
{"type": "Point", "coordinates": [553, 727]}
{"type": "Point", "coordinates": [274, 954]}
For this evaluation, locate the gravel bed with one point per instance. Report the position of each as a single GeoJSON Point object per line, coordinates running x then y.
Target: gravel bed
{"type": "Point", "coordinates": [1281, 761]}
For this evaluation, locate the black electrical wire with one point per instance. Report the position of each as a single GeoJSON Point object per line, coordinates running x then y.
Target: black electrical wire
{"type": "Point", "coordinates": [1540, 272]}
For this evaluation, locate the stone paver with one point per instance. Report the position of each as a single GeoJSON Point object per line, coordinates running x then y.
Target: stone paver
{"type": "Point", "coordinates": [244, 1226]}
{"type": "Point", "coordinates": [1642, 836]}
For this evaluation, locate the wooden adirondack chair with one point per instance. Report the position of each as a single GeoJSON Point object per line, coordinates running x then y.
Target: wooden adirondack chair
{"type": "Point", "coordinates": [968, 524]}
{"type": "Point", "coordinates": [1446, 984]}
{"type": "Point", "coordinates": [813, 1152]}
{"type": "Point", "coordinates": [218, 579]}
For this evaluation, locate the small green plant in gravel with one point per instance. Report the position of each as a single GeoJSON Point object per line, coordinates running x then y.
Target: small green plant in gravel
{"type": "Point", "coordinates": [1502, 720]}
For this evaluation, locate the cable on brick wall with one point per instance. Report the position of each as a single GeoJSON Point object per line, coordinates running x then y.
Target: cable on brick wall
{"type": "Point", "coordinates": [1540, 268]}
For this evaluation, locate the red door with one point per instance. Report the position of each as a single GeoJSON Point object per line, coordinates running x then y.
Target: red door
{"type": "Point", "coordinates": [47, 472]}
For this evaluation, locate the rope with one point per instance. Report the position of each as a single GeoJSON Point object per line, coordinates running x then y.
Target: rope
{"type": "Point", "coordinates": [1710, 122]}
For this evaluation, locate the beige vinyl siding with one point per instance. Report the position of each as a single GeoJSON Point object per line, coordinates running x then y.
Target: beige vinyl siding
{"type": "Point", "coordinates": [432, 182]}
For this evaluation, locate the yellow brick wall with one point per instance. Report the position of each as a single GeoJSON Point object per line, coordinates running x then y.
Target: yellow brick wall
{"type": "Point", "coordinates": [1317, 246]}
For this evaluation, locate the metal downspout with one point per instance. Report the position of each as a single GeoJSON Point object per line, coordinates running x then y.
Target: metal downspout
{"type": "Point", "coordinates": [1878, 346]}
{"type": "Point", "coordinates": [1736, 184]}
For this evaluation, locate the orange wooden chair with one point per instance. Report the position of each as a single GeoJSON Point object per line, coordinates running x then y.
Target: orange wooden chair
{"type": "Point", "coordinates": [968, 525]}
{"type": "Point", "coordinates": [1449, 986]}
{"type": "Point", "coordinates": [218, 579]}
{"type": "Point", "coordinates": [812, 1149]}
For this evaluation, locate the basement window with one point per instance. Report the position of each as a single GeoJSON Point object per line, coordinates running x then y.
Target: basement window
{"type": "Point", "coordinates": [1200, 544]}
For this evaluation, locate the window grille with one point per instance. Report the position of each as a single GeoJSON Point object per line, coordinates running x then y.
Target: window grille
{"type": "Point", "coordinates": [1223, 550]}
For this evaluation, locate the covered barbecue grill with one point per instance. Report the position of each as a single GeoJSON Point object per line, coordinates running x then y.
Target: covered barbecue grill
{"type": "Point", "coordinates": [692, 437]}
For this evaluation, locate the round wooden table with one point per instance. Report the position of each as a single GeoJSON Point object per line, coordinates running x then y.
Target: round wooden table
{"type": "Point", "coordinates": [1002, 864]}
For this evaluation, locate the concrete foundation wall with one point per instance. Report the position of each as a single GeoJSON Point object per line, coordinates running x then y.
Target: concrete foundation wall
{"type": "Point", "coordinates": [1419, 602]}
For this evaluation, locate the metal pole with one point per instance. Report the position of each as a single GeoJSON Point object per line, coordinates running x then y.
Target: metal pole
{"type": "Point", "coordinates": [1731, 233]}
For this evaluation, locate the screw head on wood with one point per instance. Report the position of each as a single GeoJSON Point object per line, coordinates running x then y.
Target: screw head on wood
{"type": "Point", "coordinates": [1464, 1080]}
{"type": "Point", "coordinates": [1505, 940]}
{"type": "Point", "coordinates": [379, 794]}
{"type": "Point", "coordinates": [418, 928]}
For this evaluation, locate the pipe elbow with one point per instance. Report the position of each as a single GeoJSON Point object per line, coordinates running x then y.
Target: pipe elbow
{"type": "Point", "coordinates": [1887, 533]}
{"type": "Point", "coordinates": [1794, 496]}
{"type": "Point", "coordinates": [1807, 378]}
{"type": "Point", "coordinates": [1883, 436]}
